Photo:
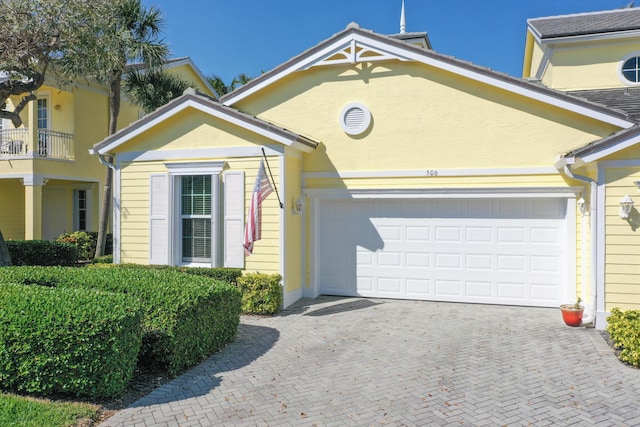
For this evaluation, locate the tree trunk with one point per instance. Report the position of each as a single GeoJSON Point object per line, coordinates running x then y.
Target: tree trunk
{"type": "Point", "coordinates": [114, 111]}
{"type": "Point", "coordinates": [5, 258]}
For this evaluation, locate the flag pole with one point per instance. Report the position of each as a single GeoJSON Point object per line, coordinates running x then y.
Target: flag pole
{"type": "Point", "coordinates": [272, 181]}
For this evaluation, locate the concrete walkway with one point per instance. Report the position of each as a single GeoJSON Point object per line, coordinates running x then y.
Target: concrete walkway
{"type": "Point", "coordinates": [364, 362]}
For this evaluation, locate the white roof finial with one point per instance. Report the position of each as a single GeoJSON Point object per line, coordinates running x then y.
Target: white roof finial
{"type": "Point", "coordinates": [403, 25]}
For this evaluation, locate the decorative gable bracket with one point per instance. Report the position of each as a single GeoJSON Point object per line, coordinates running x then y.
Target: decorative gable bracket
{"type": "Point", "coordinates": [352, 51]}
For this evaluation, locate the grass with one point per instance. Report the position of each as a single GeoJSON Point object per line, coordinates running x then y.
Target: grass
{"type": "Point", "coordinates": [18, 411]}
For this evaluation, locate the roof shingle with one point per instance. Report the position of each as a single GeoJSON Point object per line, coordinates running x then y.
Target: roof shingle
{"type": "Point", "coordinates": [608, 21]}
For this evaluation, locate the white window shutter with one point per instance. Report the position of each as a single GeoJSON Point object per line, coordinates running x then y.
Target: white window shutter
{"type": "Point", "coordinates": [233, 219]}
{"type": "Point", "coordinates": [159, 219]}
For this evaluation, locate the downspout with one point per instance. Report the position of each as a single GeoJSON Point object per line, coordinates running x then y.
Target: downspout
{"type": "Point", "coordinates": [104, 161]}
{"type": "Point", "coordinates": [591, 309]}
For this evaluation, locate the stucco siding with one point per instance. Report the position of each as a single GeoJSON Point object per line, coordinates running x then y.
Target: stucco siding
{"type": "Point", "coordinates": [448, 122]}
{"type": "Point", "coordinates": [293, 223]}
{"type": "Point", "coordinates": [12, 220]}
{"type": "Point", "coordinates": [589, 65]}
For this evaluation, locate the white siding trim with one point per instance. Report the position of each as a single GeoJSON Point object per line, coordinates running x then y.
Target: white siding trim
{"type": "Point", "coordinates": [116, 193]}
{"type": "Point", "coordinates": [200, 153]}
{"type": "Point", "coordinates": [283, 234]}
{"type": "Point", "coordinates": [601, 250]}
{"type": "Point", "coordinates": [427, 173]}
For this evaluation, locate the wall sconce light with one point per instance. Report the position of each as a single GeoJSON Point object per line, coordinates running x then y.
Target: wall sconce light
{"type": "Point", "coordinates": [626, 204]}
{"type": "Point", "coordinates": [582, 205]}
{"type": "Point", "coordinates": [298, 204]}
{"type": "Point", "coordinates": [56, 107]}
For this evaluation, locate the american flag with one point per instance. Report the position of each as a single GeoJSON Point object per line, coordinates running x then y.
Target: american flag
{"type": "Point", "coordinates": [252, 229]}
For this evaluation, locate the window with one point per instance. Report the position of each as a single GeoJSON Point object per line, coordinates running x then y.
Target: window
{"type": "Point", "coordinates": [81, 211]}
{"type": "Point", "coordinates": [43, 125]}
{"type": "Point", "coordinates": [196, 215]}
{"type": "Point", "coordinates": [630, 69]}
{"type": "Point", "coordinates": [196, 218]}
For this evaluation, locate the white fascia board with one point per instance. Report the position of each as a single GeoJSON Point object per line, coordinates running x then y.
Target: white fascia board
{"type": "Point", "coordinates": [189, 61]}
{"type": "Point", "coordinates": [198, 106]}
{"type": "Point", "coordinates": [599, 154]}
{"type": "Point", "coordinates": [550, 170]}
{"type": "Point", "coordinates": [200, 153]}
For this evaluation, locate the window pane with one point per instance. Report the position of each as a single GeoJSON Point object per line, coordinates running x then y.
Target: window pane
{"type": "Point", "coordinates": [196, 195]}
{"type": "Point", "coordinates": [196, 238]}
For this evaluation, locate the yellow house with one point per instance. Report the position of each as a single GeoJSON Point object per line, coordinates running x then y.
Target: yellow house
{"type": "Point", "coordinates": [403, 173]}
{"type": "Point", "coordinates": [49, 183]}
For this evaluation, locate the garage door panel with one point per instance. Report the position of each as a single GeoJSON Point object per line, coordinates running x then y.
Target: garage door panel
{"type": "Point", "coordinates": [504, 251]}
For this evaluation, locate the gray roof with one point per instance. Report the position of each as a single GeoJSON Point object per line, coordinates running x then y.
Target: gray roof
{"type": "Point", "coordinates": [622, 99]}
{"type": "Point", "coordinates": [608, 21]}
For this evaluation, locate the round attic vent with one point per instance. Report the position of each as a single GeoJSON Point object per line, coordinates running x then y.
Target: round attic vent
{"type": "Point", "coordinates": [355, 118]}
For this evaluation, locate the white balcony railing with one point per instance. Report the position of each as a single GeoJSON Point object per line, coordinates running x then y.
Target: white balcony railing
{"type": "Point", "coordinates": [15, 144]}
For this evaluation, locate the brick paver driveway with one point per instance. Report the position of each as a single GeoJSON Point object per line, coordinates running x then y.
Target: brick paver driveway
{"type": "Point", "coordinates": [365, 362]}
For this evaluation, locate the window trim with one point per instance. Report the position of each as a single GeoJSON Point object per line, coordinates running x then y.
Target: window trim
{"type": "Point", "coordinates": [621, 75]}
{"type": "Point", "coordinates": [176, 171]}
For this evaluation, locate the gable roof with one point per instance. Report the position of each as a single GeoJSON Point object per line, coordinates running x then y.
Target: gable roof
{"type": "Point", "coordinates": [604, 147]}
{"type": "Point", "coordinates": [354, 45]}
{"type": "Point", "coordinates": [191, 99]}
{"type": "Point", "coordinates": [178, 62]}
{"type": "Point", "coordinates": [609, 21]}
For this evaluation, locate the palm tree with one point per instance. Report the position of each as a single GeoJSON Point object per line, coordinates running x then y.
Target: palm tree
{"type": "Point", "coordinates": [151, 90]}
{"type": "Point", "coordinates": [240, 80]}
{"type": "Point", "coordinates": [128, 32]}
{"type": "Point", "coordinates": [216, 82]}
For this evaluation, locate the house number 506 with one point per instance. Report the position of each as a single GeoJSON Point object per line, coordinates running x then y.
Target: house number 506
{"type": "Point", "coordinates": [432, 172]}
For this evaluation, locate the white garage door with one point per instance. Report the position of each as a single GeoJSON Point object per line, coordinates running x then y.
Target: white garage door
{"type": "Point", "coordinates": [499, 251]}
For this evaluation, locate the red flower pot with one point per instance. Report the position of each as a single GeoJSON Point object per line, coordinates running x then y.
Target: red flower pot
{"type": "Point", "coordinates": [571, 315]}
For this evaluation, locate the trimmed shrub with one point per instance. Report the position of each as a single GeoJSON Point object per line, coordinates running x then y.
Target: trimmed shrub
{"type": "Point", "coordinates": [224, 274]}
{"type": "Point", "coordinates": [624, 331]}
{"type": "Point", "coordinates": [42, 252]}
{"type": "Point", "coordinates": [80, 342]}
{"type": "Point", "coordinates": [86, 242]}
{"type": "Point", "coordinates": [261, 293]}
{"type": "Point", "coordinates": [186, 318]}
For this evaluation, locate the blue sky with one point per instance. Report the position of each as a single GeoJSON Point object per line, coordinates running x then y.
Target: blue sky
{"type": "Point", "coordinates": [228, 37]}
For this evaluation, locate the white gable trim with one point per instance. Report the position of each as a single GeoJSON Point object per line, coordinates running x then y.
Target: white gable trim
{"type": "Point", "coordinates": [214, 112]}
{"type": "Point", "coordinates": [391, 50]}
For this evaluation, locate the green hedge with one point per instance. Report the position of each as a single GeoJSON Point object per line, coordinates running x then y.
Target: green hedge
{"type": "Point", "coordinates": [224, 274]}
{"type": "Point", "coordinates": [42, 252]}
{"type": "Point", "coordinates": [186, 318]}
{"type": "Point", "coordinates": [261, 293]}
{"type": "Point", "coordinates": [624, 331]}
{"type": "Point", "coordinates": [81, 342]}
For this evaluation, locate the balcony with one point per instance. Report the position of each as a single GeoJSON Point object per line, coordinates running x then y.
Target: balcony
{"type": "Point", "coordinates": [49, 144]}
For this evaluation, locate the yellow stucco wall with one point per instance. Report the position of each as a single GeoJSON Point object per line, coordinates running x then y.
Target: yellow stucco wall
{"type": "Point", "coordinates": [187, 73]}
{"type": "Point", "coordinates": [448, 122]}
{"type": "Point", "coordinates": [585, 65]}
{"type": "Point", "coordinates": [12, 220]}
{"type": "Point", "coordinates": [293, 224]}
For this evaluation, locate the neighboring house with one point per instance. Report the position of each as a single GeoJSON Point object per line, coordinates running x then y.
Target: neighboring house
{"type": "Point", "coordinates": [404, 173]}
{"type": "Point", "coordinates": [49, 184]}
